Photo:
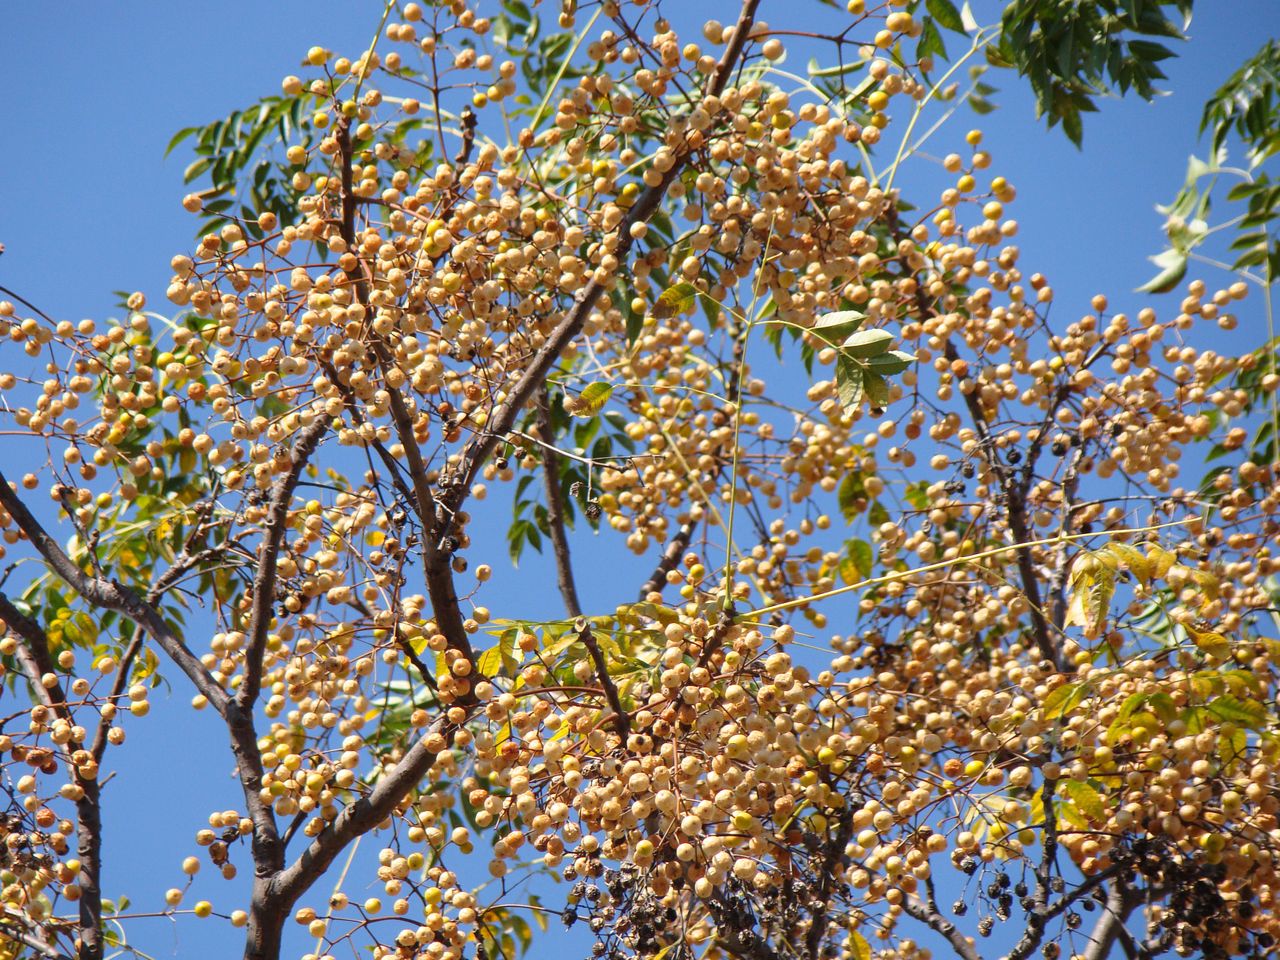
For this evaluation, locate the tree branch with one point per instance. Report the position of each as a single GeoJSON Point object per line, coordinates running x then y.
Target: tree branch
{"type": "Point", "coordinates": [358, 817]}
{"type": "Point", "coordinates": [1015, 499]}
{"type": "Point", "coordinates": [503, 416]}
{"type": "Point", "coordinates": [941, 926]}
{"type": "Point", "coordinates": [113, 596]}
{"type": "Point", "coordinates": [1115, 912]}
{"type": "Point", "coordinates": [621, 720]}
{"type": "Point", "coordinates": [669, 560]}
{"type": "Point", "coordinates": [264, 582]}
{"type": "Point", "coordinates": [33, 656]}
{"type": "Point", "coordinates": [555, 508]}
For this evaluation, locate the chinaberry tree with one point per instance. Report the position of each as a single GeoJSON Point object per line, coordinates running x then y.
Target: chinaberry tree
{"type": "Point", "coordinates": [946, 599]}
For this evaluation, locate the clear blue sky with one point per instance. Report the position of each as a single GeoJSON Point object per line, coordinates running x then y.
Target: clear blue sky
{"type": "Point", "coordinates": [88, 205]}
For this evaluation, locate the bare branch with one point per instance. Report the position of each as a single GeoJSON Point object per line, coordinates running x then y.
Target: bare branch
{"type": "Point", "coordinates": [555, 508]}
{"type": "Point", "coordinates": [669, 560]}
{"type": "Point", "coordinates": [621, 720]}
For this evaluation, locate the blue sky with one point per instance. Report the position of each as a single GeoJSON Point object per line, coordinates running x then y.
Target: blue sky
{"type": "Point", "coordinates": [89, 204]}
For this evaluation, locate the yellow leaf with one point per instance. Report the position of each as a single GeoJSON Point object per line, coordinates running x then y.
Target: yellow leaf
{"type": "Point", "coordinates": [1211, 642]}
{"type": "Point", "coordinates": [1161, 560]}
{"type": "Point", "coordinates": [1063, 700]}
{"type": "Point", "coordinates": [1086, 799]}
{"type": "Point", "coordinates": [590, 402]}
{"type": "Point", "coordinates": [675, 299]}
{"type": "Point", "coordinates": [490, 662]}
{"type": "Point", "coordinates": [1131, 558]}
{"type": "Point", "coordinates": [859, 948]}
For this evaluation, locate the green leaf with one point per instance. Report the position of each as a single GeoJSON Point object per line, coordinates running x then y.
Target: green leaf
{"type": "Point", "coordinates": [867, 343]}
{"type": "Point", "coordinates": [849, 383]}
{"type": "Point", "coordinates": [1247, 713]}
{"type": "Point", "coordinates": [888, 364]}
{"type": "Point", "coordinates": [946, 14]}
{"type": "Point", "coordinates": [877, 388]}
{"type": "Point", "coordinates": [1063, 700]}
{"type": "Point", "coordinates": [1174, 266]}
{"type": "Point", "coordinates": [833, 326]}
{"type": "Point", "coordinates": [590, 402]}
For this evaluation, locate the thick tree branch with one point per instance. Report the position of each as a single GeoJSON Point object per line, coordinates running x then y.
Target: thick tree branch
{"type": "Point", "coordinates": [555, 508]}
{"type": "Point", "coordinates": [941, 926]}
{"type": "Point", "coordinates": [1115, 912]}
{"type": "Point", "coordinates": [264, 582]}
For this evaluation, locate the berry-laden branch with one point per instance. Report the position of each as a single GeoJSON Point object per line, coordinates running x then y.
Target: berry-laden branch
{"type": "Point", "coordinates": [33, 656]}
{"type": "Point", "coordinates": [502, 419]}
{"type": "Point", "coordinates": [113, 596]}
{"type": "Point", "coordinates": [264, 582]}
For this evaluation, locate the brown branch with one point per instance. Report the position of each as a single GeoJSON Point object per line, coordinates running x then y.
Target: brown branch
{"type": "Point", "coordinates": [555, 508]}
{"type": "Point", "coordinates": [834, 850]}
{"type": "Point", "coordinates": [621, 720]}
{"type": "Point", "coordinates": [941, 926]}
{"type": "Point", "coordinates": [264, 582]}
{"type": "Point", "coordinates": [1038, 915]}
{"type": "Point", "coordinates": [669, 560]}
{"type": "Point", "coordinates": [436, 522]}
{"type": "Point", "coordinates": [1019, 526]}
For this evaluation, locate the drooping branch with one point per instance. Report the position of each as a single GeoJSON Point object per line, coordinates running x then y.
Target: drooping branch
{"type": "Point", "coordinates": [555, 508]}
